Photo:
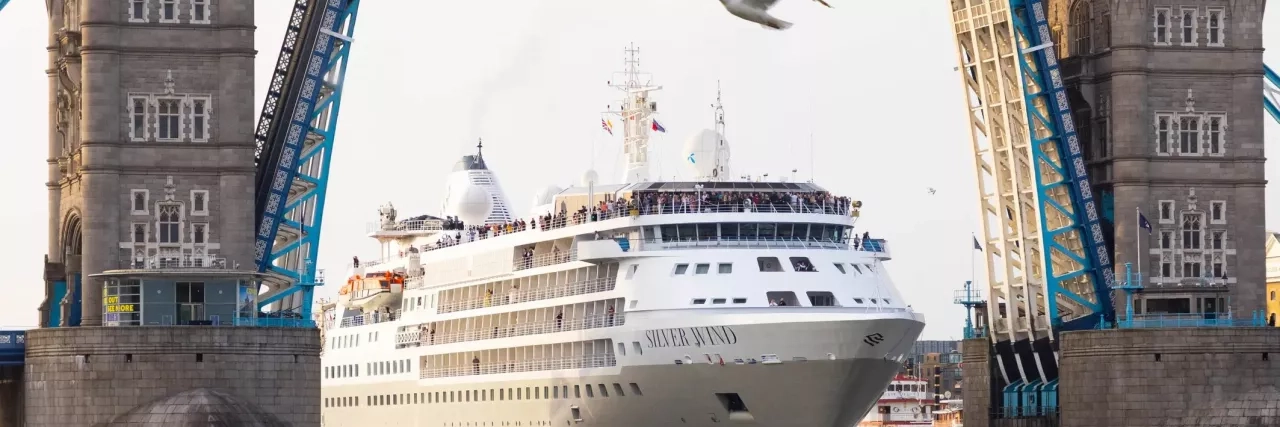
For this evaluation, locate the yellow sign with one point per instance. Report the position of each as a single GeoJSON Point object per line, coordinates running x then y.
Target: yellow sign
{"type": "Point", "coordinates": [114, 306]}
{"type": "Point", "coordinates": [122, 308]}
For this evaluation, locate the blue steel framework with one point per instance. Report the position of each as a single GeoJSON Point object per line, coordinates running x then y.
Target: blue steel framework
{"type": "Point", "coordinates": [1271, 92]}
{"type": "Point", "coordinates": [1061, 177]}
{"type": "Point", "coordinates": [1077, 263]}
{"type": "Point", "coordinates": [2, 3]}
{"type": "Point", "coordinates": [295, 145]}
{"type": "Point", "coordinates": [1078, 274]}
{"type": "Point", "coordinates": [13, 344]}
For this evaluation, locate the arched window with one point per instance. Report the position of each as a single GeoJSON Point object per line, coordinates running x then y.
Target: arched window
{"type": "Point", "coordinates": [170, 224]}
{"type": "Point", "coordinates": [1191, 235]}
{"type": "Point", "coordinates": [1081, 28]}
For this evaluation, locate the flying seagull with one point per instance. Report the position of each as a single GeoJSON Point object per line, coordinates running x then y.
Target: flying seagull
{"type": "Point", "coordinates": [823, 3]}
{"type": "Point", "coordinates": [755, 11]}
{"type": "Point", "coordinates": [932, 191]}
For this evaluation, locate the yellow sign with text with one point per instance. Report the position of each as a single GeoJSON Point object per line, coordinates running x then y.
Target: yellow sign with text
{"type": "Point", "coordinates": [114, 306]}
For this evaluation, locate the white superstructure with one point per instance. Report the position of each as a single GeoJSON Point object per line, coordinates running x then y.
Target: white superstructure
{"type": "Point", "coordinates": [635, 304]}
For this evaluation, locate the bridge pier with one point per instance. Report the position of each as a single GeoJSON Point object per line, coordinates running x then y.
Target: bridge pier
{"type": "Point", "coordinates": [11, 412]}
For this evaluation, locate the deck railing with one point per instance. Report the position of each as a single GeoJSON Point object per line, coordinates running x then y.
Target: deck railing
{"type": "Point", "coordinates": [544, 260]}
{"type": "Point", "coordinates": [518, 330]}
{"type": "Point", "coordinates": [570, 289]}
{"type": "Point", "coordinates": [614, 211]}
{"type": "Point", "coordinates": [549, 364]}
{"type": "Point", "coordinates": [1199, 320]}
{"type": "Point", "coordinates": [753, 243]}
{"type": "Point", "coordinates": [365, 319]}
{"type": "Point", "coordinates": [176, 262]}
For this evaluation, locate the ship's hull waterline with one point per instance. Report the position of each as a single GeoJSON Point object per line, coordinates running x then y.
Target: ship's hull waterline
{"type": "Point", "coordinates": [815, 392]}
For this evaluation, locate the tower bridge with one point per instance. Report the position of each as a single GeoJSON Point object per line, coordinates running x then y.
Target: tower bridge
{"type": "Point", "coordinates": [1119, 154]}
{"type": "Point", "coordinates": [1083, 113]}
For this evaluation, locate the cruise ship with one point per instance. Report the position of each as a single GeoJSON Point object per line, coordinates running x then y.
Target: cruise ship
{"type": "Point", "coordinates": [649, 303]}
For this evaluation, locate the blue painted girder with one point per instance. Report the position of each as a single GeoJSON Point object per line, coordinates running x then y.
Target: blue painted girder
{"type": "Point", "coordinates": [305, 160]}
{"type": "Point", "coordinates": [1056, 147]}
{"type": "Point", "coordinates": [1271, 92]}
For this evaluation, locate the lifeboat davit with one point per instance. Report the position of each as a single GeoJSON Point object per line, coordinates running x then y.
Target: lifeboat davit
{"type": "Point", "coordinates": [372, 290]}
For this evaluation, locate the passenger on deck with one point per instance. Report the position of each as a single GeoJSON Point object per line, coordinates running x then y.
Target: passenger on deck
{"type": "Point", "coordinates": [609, 316]}
{"type": "Point", "coordinates": [511, 296]}
{"type": "Point", "coordinates": [488, 295]}
{"type": "Point", "coordinates": [476, 362]}
{"type": "Point", "coordinates": [355, 261]}
{"type": "Point", "coordinates": [560, 319]}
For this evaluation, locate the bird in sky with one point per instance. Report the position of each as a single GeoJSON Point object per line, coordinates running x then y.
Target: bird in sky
{"type": "Point", "coordinates": [755, 11]}
{"type": "Point", "coordinates": [823, 3]}
{"type": "Point", "coordinates": [932, 191]}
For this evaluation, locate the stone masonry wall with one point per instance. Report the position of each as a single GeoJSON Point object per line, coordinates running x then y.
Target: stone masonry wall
{"type": "Point", "coordinates": [11, 396]}
{"type": "Point", "coordinates": [78, 377]}
{"type": "Point", "coordinates": [976, 368]}
{"type": "Point", "coordinates": [1170, 377]}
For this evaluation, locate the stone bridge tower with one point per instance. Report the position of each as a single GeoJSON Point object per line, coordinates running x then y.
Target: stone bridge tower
{"type": "Point", "coordinates": [150, 142]}
{"type": "Point", "coordinates": [1165, 94]}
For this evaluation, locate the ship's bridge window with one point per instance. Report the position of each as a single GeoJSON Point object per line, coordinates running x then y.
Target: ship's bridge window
{"type": "Point", "coordinates": [681, 268]}
{"type": "Point", "coordinates": [769, 264]}
{"type": "Point", "coordinates": [841, 268]}
{"type": "Point", "coordinates": [702, 269]}
{"type": "Point", "coordinates": [725, 268]}
{"type": "Point", "coordinates": [856, 270]}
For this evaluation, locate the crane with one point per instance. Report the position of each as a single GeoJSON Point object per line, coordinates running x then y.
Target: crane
{"type": "Point", "coordinates": [294, 145]}
{"type": "Point", "coordinates": [1045, 255]}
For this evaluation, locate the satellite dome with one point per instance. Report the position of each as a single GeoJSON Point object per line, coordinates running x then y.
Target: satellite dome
{"type": "Point", "coordinates": [546, 195]}
{"type": "Point", "coordinates": [700, 152]}
{"type": "Point", "coordinates": [590, 177]}
{"type": "Point", "coordinates": [470, 203]}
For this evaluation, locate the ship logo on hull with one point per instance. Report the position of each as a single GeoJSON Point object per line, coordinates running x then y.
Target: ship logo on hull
{"type": "Point", "coordinates": [873, 339]}
{"type": "Point", "coordinates": [687, 337]}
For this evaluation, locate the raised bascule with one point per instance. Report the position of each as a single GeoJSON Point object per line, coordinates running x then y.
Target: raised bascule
{"type": "Point", "coordinates": [1045, 252]}
{"type": "Point", "coordinates": [295, 137]}
{"type": "Point", "coordinates": [1061, 197]}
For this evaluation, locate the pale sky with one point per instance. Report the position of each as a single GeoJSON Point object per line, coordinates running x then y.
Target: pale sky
{"type": "Point", "coordinates": [872, 82]}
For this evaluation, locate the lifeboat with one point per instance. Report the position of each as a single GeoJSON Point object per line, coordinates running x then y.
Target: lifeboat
{"type": "Point", "coordinates": [371, 291]}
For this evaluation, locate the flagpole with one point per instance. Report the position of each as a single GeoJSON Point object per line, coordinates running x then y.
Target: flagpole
{"type": "Point", "coordinates": [972, 264]}
{"type": "Point", "coordinates": [1138, 233]}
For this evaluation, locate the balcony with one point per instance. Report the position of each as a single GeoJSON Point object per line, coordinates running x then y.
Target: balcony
{"type": "Point", "coordinates": [420, 338]}
{"type": "Point", "coordinates": [581, 287]}
{"type": "Point", "coordinates": [547, 364]}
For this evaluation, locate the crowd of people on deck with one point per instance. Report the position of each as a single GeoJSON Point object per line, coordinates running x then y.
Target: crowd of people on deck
{"type": "Point", "coordinates": [662, 202]}
{"type": "Point", "coordinates": [651, 203]}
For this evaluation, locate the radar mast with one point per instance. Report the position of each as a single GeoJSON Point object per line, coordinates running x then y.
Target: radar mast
{"type": "Point", "coordinates": [721, 171]}
{"type": "Point", "coordinates": [636, 112]}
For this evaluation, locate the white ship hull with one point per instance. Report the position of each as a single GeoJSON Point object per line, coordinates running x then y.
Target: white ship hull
{"type": "Point", "coordinates": [838, 381]}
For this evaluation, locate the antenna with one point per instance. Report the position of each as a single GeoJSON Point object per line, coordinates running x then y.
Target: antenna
{"type": "Point", "coordinates": [636, 112]}
{"type": "Point", "coordinates": [721, 168]}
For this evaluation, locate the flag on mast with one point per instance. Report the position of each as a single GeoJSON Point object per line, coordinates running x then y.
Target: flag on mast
{"type": "Point", "coordinates": [607, 125]}
{"type": "Point", "coordinates": [658, 127]}
{"type": "Point", "coordinates": [976, 246]}
{"type": "Point", "coordinates": [1143, 223]}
